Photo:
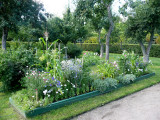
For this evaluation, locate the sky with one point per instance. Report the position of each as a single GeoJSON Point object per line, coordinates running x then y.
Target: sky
{"type": "Point", "coordinates": [58, 7]}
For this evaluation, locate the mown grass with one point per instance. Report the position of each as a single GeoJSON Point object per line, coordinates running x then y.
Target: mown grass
{"type": "Point", "coordinates": [67, 112]}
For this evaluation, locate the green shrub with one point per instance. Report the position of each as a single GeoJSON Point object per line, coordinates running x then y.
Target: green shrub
{"type": "Point", "coordinates": [128, 78]}
{"type": "Point", "coordinates": [92, 40]}
{"type": "Point", "coordinates": [130, 63]}
{"type": "Point", "coordinates": [91, 58]}
{"type": "Point", "coordinates": [95, 47]}
{"type": "Point", "coordinates": [13, 65]}
{"type": "Point", "coordinates": [103, 85]}
{"type": "Point", "coordinates": [116, 48]}
{"type": "Point", "coordinates": [107, 70]}
{"type": "Point", "coordinates": [72, 50]}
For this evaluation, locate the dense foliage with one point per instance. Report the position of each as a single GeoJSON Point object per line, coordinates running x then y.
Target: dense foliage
{"type": "Point", "coordinates": [61, 80]}
{"type": "Point", "coordinates": [13, 64]}
{"type": "Point", "coordinates": [72, 50]}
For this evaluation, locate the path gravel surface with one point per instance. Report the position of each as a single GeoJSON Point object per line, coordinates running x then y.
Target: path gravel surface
{"type": "Point", "coordinates": [143, 105]}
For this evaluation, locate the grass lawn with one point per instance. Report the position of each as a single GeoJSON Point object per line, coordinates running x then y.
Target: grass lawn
{"type": "Point", "coordinates": [7, 112]}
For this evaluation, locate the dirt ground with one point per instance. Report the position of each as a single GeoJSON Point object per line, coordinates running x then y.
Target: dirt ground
{"type": "Point", "coordinates": [143, 105]}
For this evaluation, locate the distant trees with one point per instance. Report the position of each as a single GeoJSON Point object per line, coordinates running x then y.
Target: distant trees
{"type": "Point", "coordinates": [100, 15]}
{"type": "Point", "coordinates": [14, 13]}
{"type": "Point", "coordinates": [70, 28]}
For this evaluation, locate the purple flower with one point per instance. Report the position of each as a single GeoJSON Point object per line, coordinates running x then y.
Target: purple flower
{"type": "Point", "coordinates": [58, 84]}
{"type": "Point", "coordinates": [45, 85]}
{"type": "Point", "coordinates": [137, 63]}
{"type": "Point", "coordinates": [52, 78]}
{"type": "Point", "coordinates": [50, 85]}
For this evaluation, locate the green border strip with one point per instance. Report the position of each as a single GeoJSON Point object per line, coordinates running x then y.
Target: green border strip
{"type": "Point", "coordinates": [71, 100]}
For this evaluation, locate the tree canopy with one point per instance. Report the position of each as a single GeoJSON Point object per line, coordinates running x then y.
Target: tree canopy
{"type": "Point", "coordinates": [145, 19]}
{"type": "Point", "coordinates": [19, 12]}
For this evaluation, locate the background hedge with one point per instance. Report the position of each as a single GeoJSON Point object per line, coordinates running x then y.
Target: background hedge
{"type": "Point", "coordinates": [155, 49]}
{"type": "Point", "coordinates": [114, 48]}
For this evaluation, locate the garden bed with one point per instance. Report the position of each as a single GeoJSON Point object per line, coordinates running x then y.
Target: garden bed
{"type": "Point", "coordinates": [71, 100]}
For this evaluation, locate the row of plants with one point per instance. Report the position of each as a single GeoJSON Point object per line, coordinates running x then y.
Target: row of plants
{"type": "Point", "coordinates": [61, 80]}
{"type": "Point", "coordinates": [74, 50]}
{"type": "Point", "coordinates": [47, 77]}
{"type": "Point", "coordinates": [56, 80]}
{"type": "Point", "coordinates": [109, 74]}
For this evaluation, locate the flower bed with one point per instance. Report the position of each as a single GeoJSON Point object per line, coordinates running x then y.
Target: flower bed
{"type": "Point", "coordinates": [71, 100]}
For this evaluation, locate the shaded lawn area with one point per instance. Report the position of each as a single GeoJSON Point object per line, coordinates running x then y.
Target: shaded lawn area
{"type": "Point", "coordinates": [7, 112]}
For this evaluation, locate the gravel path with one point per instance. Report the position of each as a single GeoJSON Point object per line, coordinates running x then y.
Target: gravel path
{"type": "Point", "coordinates": [143, 105]}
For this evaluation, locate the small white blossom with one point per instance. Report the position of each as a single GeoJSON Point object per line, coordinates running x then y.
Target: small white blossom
{"type": "Point", "coordinates": [45, 92]}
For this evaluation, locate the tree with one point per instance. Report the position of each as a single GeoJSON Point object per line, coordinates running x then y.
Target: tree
{"type": "Point", "coordinates": [144, 20]}
{"type": "Point", "coordinates": [14, 13]}
{"type": "Point", "coordinates": [108, 4]}
{"type": "Point", "coordinates": [55, 28]}
{"type": "Point", "coordinates": [84, 8]}
{"type": "Point", "coordinates": [118, 34]}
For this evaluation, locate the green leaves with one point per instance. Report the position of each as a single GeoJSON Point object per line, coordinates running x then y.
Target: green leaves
{"type": "Point", "coordinates": [42, 39]}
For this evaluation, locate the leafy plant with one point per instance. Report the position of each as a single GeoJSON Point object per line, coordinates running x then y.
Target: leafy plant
{"type": "Point", "coordinates": [13, 65]}
{"type": "Point", "coordinates": [103, 85]}
{"type": "Point", "coordinates": [73, 70]}
{"type": "Point", "coordinates": [107, 70]}
{"type": "Point", "coordinates": [51, 63]}
{"type": "Point", "coordinates": [130, 63]}
{"type": "Point", "coordinates": [90, 59]}
{"type": "Point", "coordinates": [72, 50]}
{"type": "Point", "coordinates": [128, 78]}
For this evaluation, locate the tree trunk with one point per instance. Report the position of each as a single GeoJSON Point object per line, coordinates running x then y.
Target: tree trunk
{"type": "Point", "coordinates": [110, 30]}
{"type": "Point", "coordinates": [101, 51]}
{"type": "Point", "coordinates": [100, 43]}
{"type": "Point", "coordinates": [144, 51]}
{"type": "Point", "coordinates": [4, 38]}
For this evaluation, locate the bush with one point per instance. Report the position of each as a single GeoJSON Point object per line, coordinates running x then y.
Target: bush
{"type": "Point", "coordinates": [90, 59]}
{"type": "Point", "coordinates": [73, 50]}
{"type": "Point", "coordinates": [128, 78]}
{"type": "Point", "coordinates": [13, 65]}
{"type": "Point", "coordinates": [107, 70]}
{"type": "Point", "coordinates": [130, 63]}
{"type": "Point", "coordinates": [73, 70]}
{"type": "Point", "coordinates": [95, 47]}
{"type": "Point", "coordinates": [158, 40]}
{"type": "Point", "coordinates": [92, 40]}
{"type": "Point", "coordinates": [103, 85]}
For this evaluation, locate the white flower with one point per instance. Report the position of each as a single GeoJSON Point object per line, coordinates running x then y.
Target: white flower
{"type": "Point", "coordinates": [45, 92]}
{"type": "Point", "coordinates": [56, 92]}
{"type": "Point", "coordinates": [33, 96]}
{"type": "Point", "coordinates": [140, 70]}
{"type": "Point", "coordinates": [67, 89]}
{"type": "Point", "coordinates": [27, 73]}
{"type": "Point", "coordinates": [65, 85]}
{"type": "Point", "coordinates": [48, 95]}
